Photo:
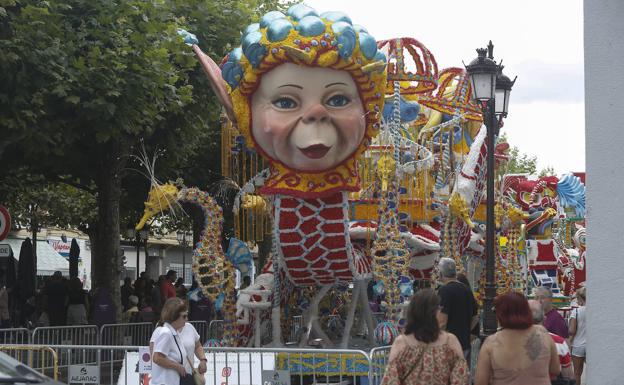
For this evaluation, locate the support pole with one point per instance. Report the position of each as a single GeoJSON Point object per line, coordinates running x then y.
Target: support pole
{"type": "Point", "coordinates": [489, 319]}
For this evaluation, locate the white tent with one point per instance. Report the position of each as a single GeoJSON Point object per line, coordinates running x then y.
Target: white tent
{"type": "Point", "coordinates": [48, 260]}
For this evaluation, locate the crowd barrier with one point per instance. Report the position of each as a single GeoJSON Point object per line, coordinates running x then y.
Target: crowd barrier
{"type": "Point", "coordinates": [226, 366]}
{"type": "Point", "coordinates": [66, 335]}
{"type": "Point", "coordinates": [14, 336]}
{"type": "Point", "coordinates": [40, 358]}
{"type": "Point", "coordinates": [202, 329]}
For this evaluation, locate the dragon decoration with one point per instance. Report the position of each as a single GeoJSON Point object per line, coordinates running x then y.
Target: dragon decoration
{"type": "Point", "coordinates": [361, 170]}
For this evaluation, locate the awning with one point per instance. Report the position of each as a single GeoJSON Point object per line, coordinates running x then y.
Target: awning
{"type": "Point", "coordinates": [48, 260]}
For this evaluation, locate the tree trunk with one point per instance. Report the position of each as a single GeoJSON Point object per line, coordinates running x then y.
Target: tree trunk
{"type": "Point", "coordinates": [105, 246]}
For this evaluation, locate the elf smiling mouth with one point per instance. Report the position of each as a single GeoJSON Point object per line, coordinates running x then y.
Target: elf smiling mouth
{"type": "Point", "coordinates": [315, 151]}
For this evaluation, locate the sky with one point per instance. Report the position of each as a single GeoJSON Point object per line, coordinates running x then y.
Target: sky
{"type": "Point", "coordinates": [541, 42]}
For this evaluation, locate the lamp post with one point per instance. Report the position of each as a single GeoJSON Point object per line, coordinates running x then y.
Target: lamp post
{"type": "Point", "coordinates": [492, 89]}
{"type": "Point", "coordinates": [183, 240]}
{"type": "Point", "coordinates": [139, 237]}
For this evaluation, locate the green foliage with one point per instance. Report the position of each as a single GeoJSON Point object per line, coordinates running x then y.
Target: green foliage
{"type": "Point", "coordinates": [83, 82]}
{"type": "Point", "coordinates": [33, 199]}
{"type": "Point", "coordinates": [548, 171]}
{"type": "Point", "coordinates": [518, 163]}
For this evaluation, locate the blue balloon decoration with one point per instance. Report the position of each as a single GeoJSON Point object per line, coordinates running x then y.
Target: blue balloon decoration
{"type": "Point", "coordinates": [299, 11]}
{"type": "Point", "coordinates": [236, 54]}
{"type": "Point", "coordinates": [219, 301]}
{"type": "Point", "coordinates": [368, 45]}
{"type": "Point", "coordinates": [345, 35]}
{"type": "Point", "coordinates": [311, 26]}
{"type": "Point", "coordinates": [378, 288]}
{"type": "Point", "coordinates": [232, 73]}
{"type": "Point", "coordinates": [253, 50]}
{"type": "Point", "coordinates": [380, 56]}
{"type": "Point", "coordinates": [359, 29]}
{"type": "Point", "coordinates": [251, 28]}
{"type": "Point", "coordinates": [279, 29]}
{"type": "Point", "coordinates": [335, 16]}
{"type": "Point", "coordinates": [188, 37]}
{"type": "Point", "coordinates": [269, 17]}
{"type": "Point", "coordinates": [239, 254]}
{"type": "Point", "coordinates": [409, 110]}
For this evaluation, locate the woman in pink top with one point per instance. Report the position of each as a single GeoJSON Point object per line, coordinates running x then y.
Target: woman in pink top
{"type": "Point", "coordinates": [425, 355]}
{"type": "Point", "coordinates": [520, 353]}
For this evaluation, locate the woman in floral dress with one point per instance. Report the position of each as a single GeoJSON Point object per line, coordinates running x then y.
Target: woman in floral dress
{"type": "Point", "coordinates": [425, 355]}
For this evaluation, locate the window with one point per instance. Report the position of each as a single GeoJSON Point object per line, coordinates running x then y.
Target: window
{"type": "Point", "coordinates": [177, 267]}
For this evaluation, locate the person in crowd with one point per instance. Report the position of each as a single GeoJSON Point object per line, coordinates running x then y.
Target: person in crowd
{"type": "Point", "coordinates": [425, 354]}
{"type": "Point", "coordinates": [157, 298]}
{"type": "Point", "coordinates": [56, 297]}
{"type": "Point", "coordinates": [175, 343]}
{"type": "Point", "coordinates": [553, 321]}
{"type": "Point", "coordinates": [146, 313]}
{"type": "Point", "coordinates": [103, 309]}
{"type": "Point", "coordinates": [180, 288]}
{"type": "Point", "coordinates": [458, 313]}
{"type": "Point", "coordinates": [578, 334]}
{"type": "Point", "coordinates": [200, 308]}
{"type": "Point", "coordinates": [474, 333]}
{"type": "Point", "coordinates": [77, 303]}
{"type": "Point", "coordinates": [5, 315]}
{"type": "Point", "coordinates": [167, 290]}
{"type": "Point", "coordinates": [520, 353]}
{"type": "Point", "coordinates": [562, 347]}
{"type": "Point", "coordinates": [131, 315]}
{"type": "Point", "coordinates": [246, 282]}
{"type": "Point", "coordinates": [126, 291]}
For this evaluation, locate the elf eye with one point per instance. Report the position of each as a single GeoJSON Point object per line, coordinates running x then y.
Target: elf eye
{"type": "Point", "coordinates": [338, 101]}
{"type": "Point", "coordinates": [285, 103]}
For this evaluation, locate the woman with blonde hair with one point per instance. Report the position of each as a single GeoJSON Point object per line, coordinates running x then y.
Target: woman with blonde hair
{"type": "Point", "coordinates": [578, 327]}
{"type": "Point", "coordinates": [174, 343]}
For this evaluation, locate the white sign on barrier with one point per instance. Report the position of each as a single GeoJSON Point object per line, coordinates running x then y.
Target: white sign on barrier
{"type": "Point", "coordinates": [145, 360]}
{"type": "Point", "coordinates": [244, 367]}
{"type": "Point", "coordinates": [5, 250]}
{"type": "Point", "coordinates": [275, 377]}
{"type": "Point", "coordinates": [84, 374]}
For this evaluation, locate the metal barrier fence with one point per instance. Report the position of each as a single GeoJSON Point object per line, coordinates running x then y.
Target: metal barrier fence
{"type": "Point", "coordinates": [379, 360]}
{"type": "Point", "coordinates": [202, 329]}
{"type": "Point", "coordinates": [66, 335]}
{"type": "Point", "coordinates": [215, 329]}
{"type": "Point", "coordinates": [43, 359]}
{"type": "Point", "coordinates": [131, 334]}
{"type": "Point", "coordinates": [14, 336]}
{"type": "Point", "coordinates": [228, 366]}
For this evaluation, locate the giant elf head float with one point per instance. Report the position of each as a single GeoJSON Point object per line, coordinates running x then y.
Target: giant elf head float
{"type": "Point", "coordinates": [306, 91]}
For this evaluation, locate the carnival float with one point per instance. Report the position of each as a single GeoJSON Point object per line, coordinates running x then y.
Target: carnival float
{"type": "Point", "coordinates": [362, 164]}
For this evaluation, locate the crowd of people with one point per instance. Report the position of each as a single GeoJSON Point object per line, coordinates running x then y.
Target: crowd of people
{"type": "Point", "coordinates": [63, 302]}
{"type": "Point", "coordinates": [534, 345]}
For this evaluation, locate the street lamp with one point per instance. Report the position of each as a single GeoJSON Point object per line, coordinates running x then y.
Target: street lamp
{"type": "Point", "coordinates": [492, 89]}
{"type": "Point", "coordinates": [139, 237]}
{"type": "Point", "coordinates": [183, 240]}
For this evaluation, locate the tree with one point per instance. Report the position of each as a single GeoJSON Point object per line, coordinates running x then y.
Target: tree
{"type": "Point", "coordinates": [82, 82]}
{"type": "Point", "coordinates": [548, 171]}
{"type": "Point", "coordinates": [518, 163]}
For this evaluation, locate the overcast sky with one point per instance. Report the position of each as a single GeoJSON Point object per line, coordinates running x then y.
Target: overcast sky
{"type": "Point", "coordinates": [539, 41]}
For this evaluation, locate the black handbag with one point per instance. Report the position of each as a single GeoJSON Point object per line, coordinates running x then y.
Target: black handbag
{"type": "Point", "coordinates": [188, 378]}
{"type": "Point", "coordinates": [563, 381]}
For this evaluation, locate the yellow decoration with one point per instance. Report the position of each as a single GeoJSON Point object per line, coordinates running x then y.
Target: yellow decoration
{"type": "Point", "coordinates": [459, 208]}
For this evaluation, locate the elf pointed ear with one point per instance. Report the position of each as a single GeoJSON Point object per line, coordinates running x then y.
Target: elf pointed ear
{"type": "Point", "coordinates": [216, 81]}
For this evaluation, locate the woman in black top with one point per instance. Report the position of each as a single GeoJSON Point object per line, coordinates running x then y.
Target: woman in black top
{"type": "Point", "coordinates": [77, 303]}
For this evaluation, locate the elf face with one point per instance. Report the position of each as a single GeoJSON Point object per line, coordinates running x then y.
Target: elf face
{"type": "Point", "coordinates": [309, 118]}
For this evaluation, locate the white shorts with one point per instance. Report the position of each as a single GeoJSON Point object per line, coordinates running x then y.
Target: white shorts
{"type": "Point", "coordinates": [578, 351]}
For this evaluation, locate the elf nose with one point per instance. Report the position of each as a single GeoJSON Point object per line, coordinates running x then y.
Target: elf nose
{"type": "Point", "coordinates": [316, 114]}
